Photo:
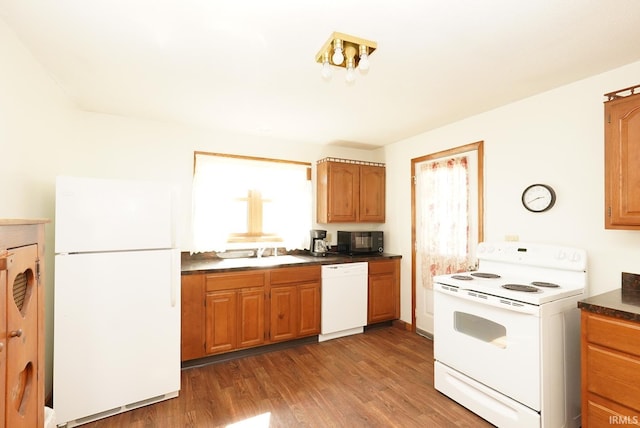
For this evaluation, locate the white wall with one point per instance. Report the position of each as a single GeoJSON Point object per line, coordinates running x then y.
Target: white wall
{"type": "Point", "coordinates": [554, 138]}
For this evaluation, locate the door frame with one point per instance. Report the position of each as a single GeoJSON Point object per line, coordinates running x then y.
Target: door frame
{"type": "Point", "coordinates": [479, 148]}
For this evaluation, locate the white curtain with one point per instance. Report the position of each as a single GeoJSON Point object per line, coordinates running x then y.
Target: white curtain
{"type": "Point", "coordinates": [445, 217]}
{"type": "Point", "coordinates": [220, 181]}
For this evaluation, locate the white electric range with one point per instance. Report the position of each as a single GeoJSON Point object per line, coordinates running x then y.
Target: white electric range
{"type": "Point", "coordinates": [507, 336]}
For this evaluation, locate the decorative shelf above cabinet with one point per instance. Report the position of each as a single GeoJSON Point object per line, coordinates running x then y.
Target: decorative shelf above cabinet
{"type": "Point", "coordinates": [622, 159]}
{"type": "Point", "coordinates": [350, 191]}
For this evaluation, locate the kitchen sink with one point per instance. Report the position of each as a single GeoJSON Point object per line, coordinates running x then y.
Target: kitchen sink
{"type": "Point", "coordinates": [262, 261]}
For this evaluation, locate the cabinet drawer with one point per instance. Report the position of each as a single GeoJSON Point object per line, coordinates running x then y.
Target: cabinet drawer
{"type": "Point", "coordinates": [601, 412]}
{"type": "Point", "coordinates": [614, 333]}
{"type": "Point", "coordinates": [386, 266]}
{"type": "Point", "coordinates": [295, 275]}
{"type": "Point", "coordinates": [230, 281]}
{"type": "Point", "coordinates": [613, 374]}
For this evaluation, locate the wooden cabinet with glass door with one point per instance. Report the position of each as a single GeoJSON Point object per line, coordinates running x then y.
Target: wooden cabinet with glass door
{"type": "Point", "coordinates": [622, 159]}
{"type": "Point", "coordinates": [350, 191]}
{"type": "Point", "coordinates": [22, 323]}
{"type": "Point", "coordinates": [384, 291]}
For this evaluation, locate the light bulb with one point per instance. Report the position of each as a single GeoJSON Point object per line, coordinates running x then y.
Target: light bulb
{"type": "Point", "coordinates": [337, 57]}
{"type": "Point", "coordinates": [351, 75]}
{"type": "Point", "coordinates": [363, 64]}
{"type": "Point", "coordinates": [326, 70]}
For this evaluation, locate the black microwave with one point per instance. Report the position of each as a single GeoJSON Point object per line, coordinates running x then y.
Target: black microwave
{"type": "Point", "coordinates": [360, 242]}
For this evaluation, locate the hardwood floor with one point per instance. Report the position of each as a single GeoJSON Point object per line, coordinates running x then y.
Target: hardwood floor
{"type": "Point", "coordinates": [382, 378]}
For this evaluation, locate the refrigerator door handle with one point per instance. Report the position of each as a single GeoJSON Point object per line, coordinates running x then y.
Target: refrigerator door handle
{"type": "Point", "coordinates": [175, 267]}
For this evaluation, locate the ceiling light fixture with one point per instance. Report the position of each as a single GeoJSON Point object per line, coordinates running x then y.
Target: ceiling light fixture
{"type": "Point", "coordinates": [342, 46]}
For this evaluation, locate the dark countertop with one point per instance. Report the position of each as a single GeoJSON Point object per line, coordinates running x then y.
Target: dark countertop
{"type": "Point", "coordinates": [196, 265]}
{"type": "Point", "coordinates": [622, 303]}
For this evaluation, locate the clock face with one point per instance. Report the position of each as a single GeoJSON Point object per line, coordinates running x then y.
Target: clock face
{"type": "Point", "coordinates": [538, 198]}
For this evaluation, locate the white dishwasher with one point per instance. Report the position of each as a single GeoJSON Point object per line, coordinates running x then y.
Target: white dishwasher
{"type": "Point", "coordinates": [344, 299]}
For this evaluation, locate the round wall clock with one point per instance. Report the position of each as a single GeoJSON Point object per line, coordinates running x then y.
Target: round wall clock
{"type": "Point", "coordinates": [538, 198]}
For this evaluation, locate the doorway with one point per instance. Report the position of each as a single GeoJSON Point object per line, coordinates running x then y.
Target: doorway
{"type": "Point", "coordinates": [444, 238]}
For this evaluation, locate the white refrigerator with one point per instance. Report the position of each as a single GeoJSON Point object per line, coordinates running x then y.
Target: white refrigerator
{"type": "Point", "coordinates": [116, 297]}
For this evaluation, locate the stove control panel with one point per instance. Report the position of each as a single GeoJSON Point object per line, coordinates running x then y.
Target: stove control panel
{"type": "Point", "coordinates": [533, 254]}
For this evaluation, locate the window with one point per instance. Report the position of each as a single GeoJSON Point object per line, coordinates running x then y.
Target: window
{"type": "Point", "coordinates": [244, 202]}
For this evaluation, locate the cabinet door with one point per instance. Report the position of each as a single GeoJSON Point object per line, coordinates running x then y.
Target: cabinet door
{"type": "Point", "coordinates": [283, 313]}
{"type": "Point", "coordinates": [382, 298]}
{"type": "Point", "coordinates": [192, 327]}
{"type": "Point", "coordinates": [250, 317]}
{"type": "Point", "coordinates": [343, 192]}
{"type": "Point", "coordinates": [372, 194]}
{"type": "Point", "coordinates": [600, 412]}
{"type": "Point", "coordinates": [308, 309]}
{"type": "Point", "coordinates": [22, 338]}
{"type": "Point", "coordinates": [622, 163]}
{"type": "Point", "coordinates": [221, 320]}
{"type": "Point", "coordinates": [384, 291]}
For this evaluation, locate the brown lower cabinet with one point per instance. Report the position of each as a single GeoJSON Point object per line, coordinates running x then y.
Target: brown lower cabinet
{"type": "Point", "coordinates": [610, 371]}
{"type": "Point", "coordinates": [234, 310]}
{"type": "Point", "coordinates": [295, 303]}
{"type": "Point", "coordinates": [229, 311]}
{"type": "Point", "coordinates": [384, 291]}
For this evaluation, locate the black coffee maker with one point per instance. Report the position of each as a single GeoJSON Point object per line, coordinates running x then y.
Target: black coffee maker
{"type": "Point", "coordinates": [318, 243]}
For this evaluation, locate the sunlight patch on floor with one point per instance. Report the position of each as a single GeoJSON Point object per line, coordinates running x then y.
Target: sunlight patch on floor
{"type": "Point", "coordinates": [260, 421]}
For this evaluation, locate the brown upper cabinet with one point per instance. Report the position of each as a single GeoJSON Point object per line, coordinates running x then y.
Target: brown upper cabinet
{"type": "Point", "coordinates": [350, 191]}
{"type": "Point", "coordinates": [622, 159]}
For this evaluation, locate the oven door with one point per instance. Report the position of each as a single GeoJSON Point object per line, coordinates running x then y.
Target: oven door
{"type": "Point", "coordinates": [496, 346]}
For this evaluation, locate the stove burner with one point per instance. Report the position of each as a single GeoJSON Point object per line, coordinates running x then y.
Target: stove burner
{"type": "Point", "coordinates": [520, 287]}
{"type": "Point", "coordinates": [485, 275]}
{"type": "Point", "coordinates": [462, 277]}
{"type": "Point", "coordinates": [544, 284]}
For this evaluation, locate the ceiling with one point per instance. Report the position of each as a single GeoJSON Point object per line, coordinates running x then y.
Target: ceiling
{"type": "Point", "coordinates": [249, 66]}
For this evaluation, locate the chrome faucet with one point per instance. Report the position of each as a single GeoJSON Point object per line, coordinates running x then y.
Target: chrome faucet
{"type": "Point", "coordinates": [260, 251]}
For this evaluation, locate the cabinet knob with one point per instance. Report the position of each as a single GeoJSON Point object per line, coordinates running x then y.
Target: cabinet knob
{"type": "Point", "coordinates": [16, 333]}
{"type": "Point", "coordinates": [1, 346]}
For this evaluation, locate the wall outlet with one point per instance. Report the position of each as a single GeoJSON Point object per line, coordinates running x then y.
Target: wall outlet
{"type": "Point", "coordinates": [511, 238]}
{"type": "Point", "coordinates": [328, 238]}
